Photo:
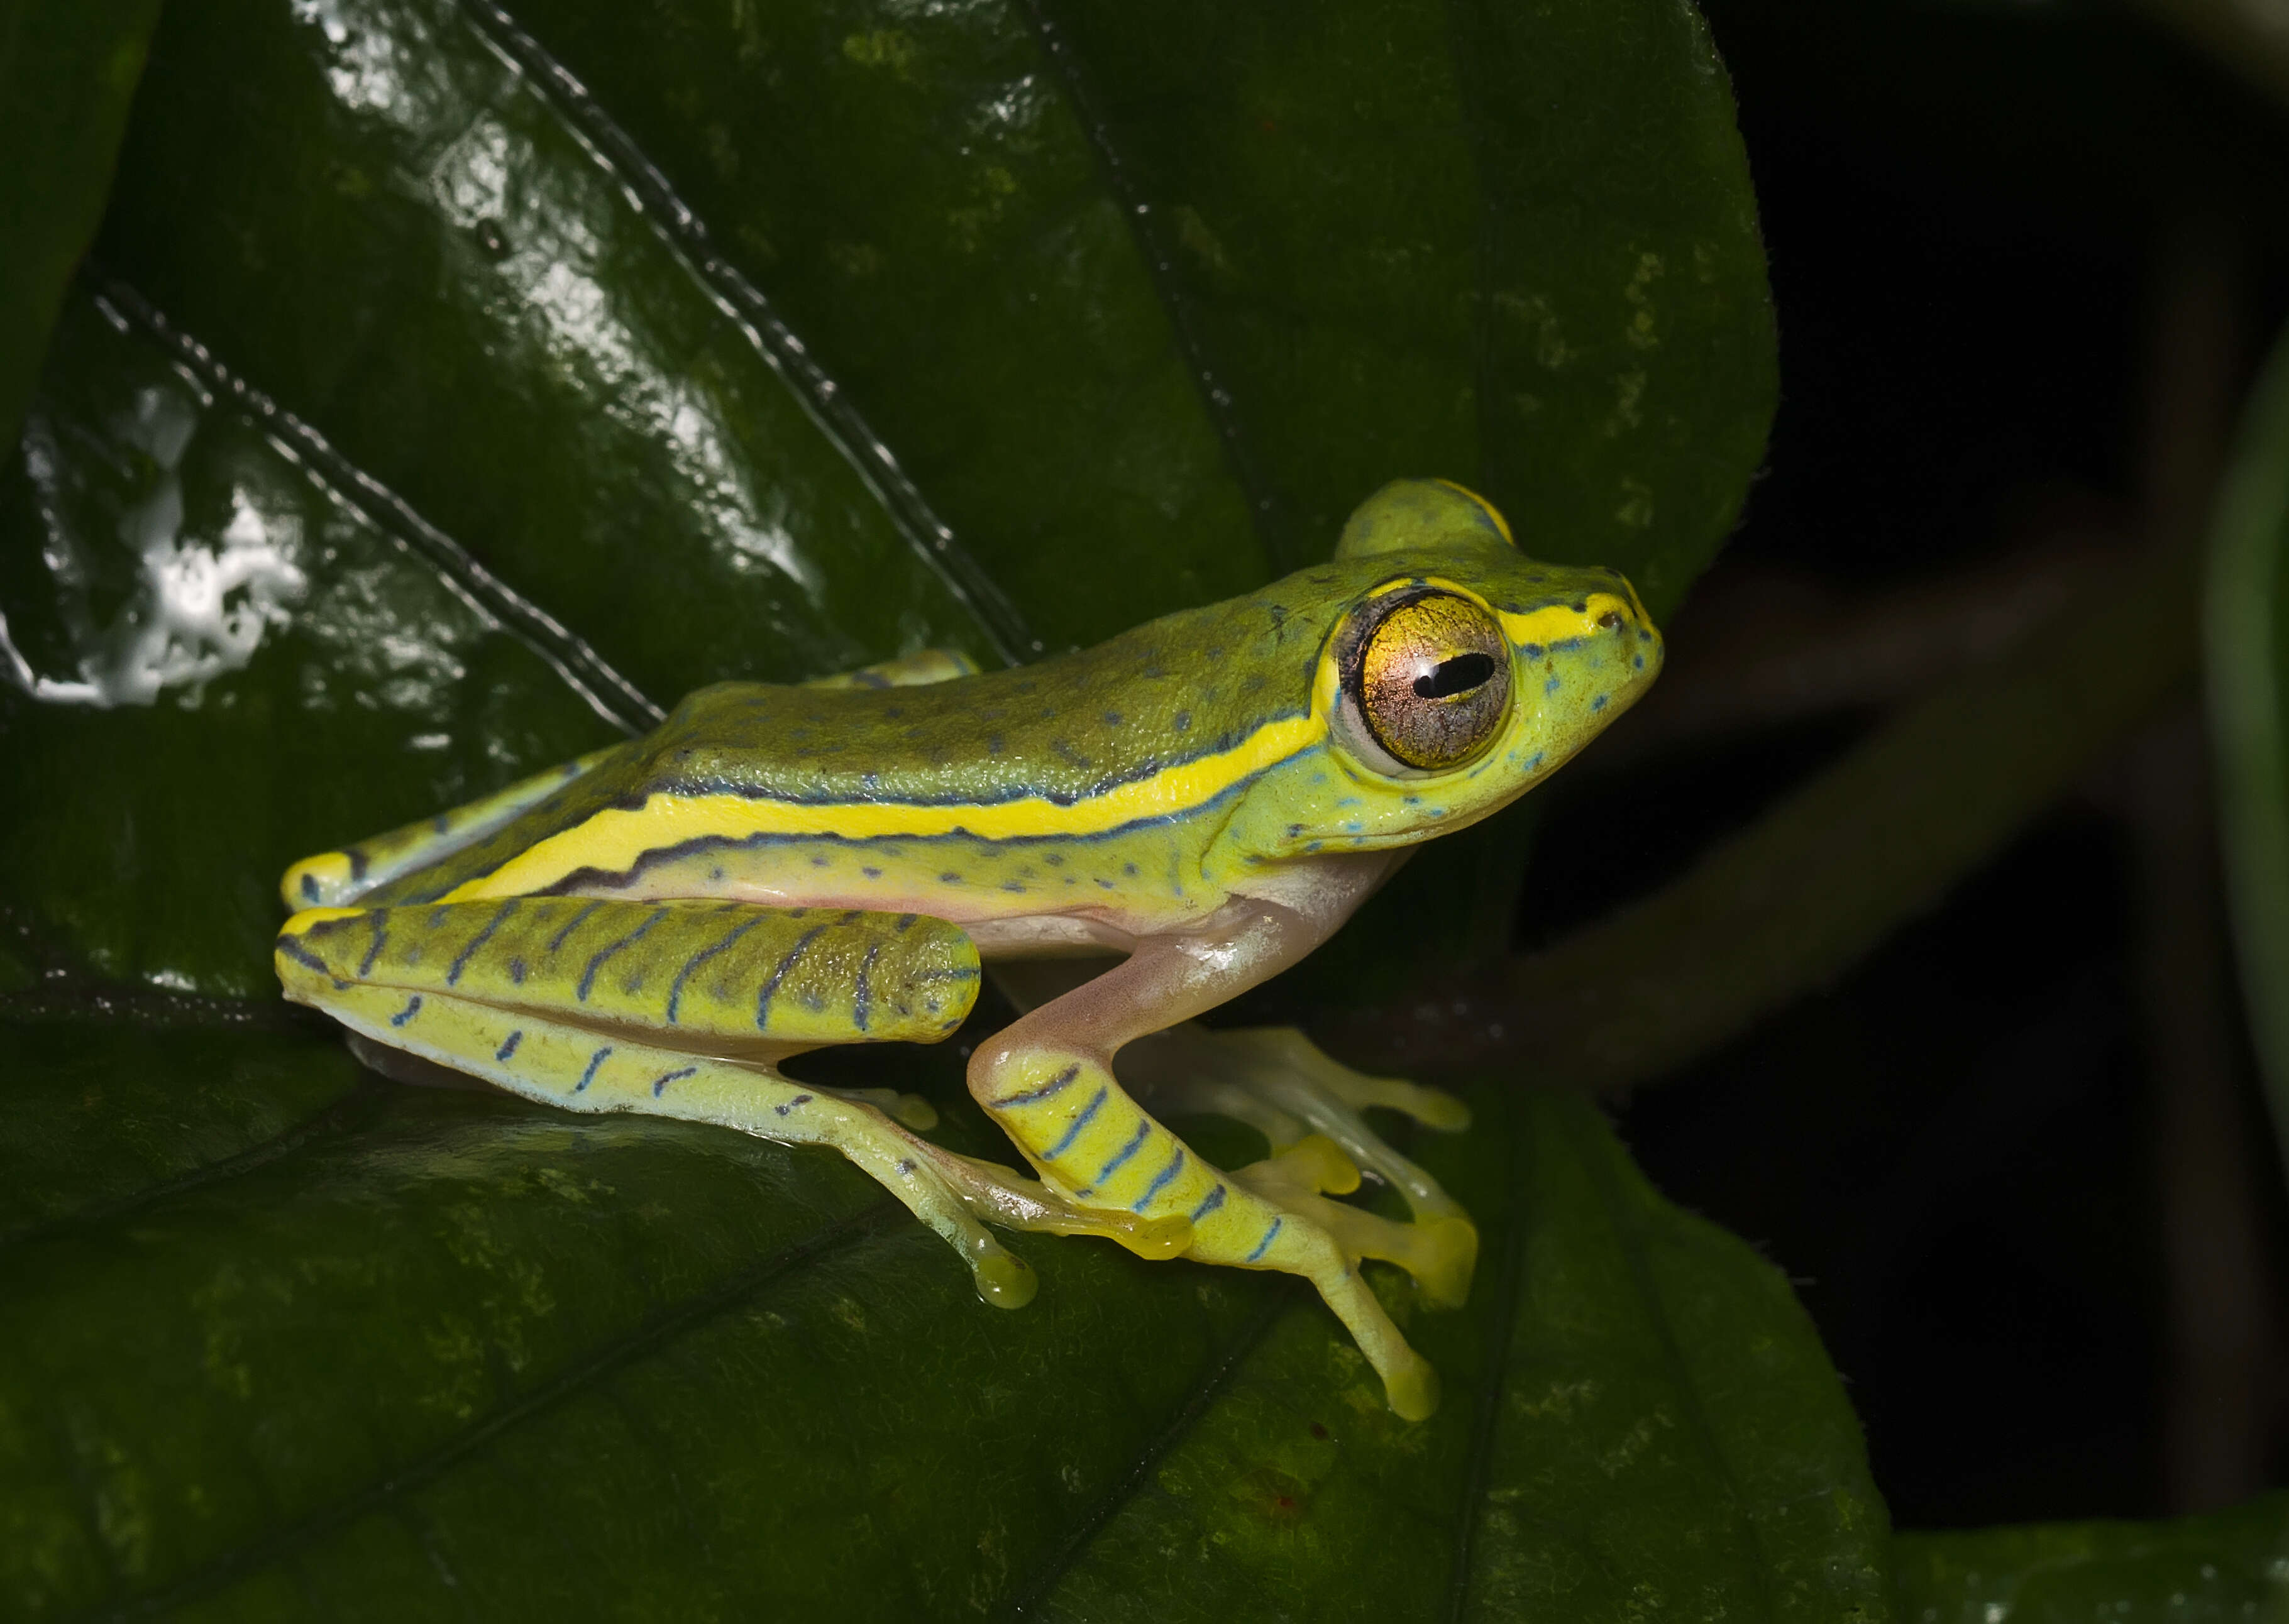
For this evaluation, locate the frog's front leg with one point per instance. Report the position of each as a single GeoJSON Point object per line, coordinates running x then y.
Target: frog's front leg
{"type": "Point", "coordinates": [685, 1009]}
{"type": "Point", "coordinates": [1049, 1079]}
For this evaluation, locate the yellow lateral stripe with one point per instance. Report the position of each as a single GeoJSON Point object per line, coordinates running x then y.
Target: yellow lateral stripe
{"type": "Point", "coordinates": [615, 840]}
{"type": "Point", "coordinates": [1555, 622]}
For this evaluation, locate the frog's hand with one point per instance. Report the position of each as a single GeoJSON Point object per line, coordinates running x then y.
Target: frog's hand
{"type": "Point", "coordinates": [334, 878]}
{"type": "Point", "coordinates": [919, 669]}
{"type": "Point", "coordinates": [1048, 1080]}
{"type": "Point", "coordinates": [1275, 1080]}
{"type": "Point", "coordinates": [601, 1006]}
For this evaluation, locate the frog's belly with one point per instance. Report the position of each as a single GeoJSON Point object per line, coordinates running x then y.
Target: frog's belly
{"type": "Point", "coordinates": [1015, 898]}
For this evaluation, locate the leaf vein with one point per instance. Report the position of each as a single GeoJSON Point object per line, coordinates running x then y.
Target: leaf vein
{"type": "Point", "coordinates": [343, 1112]}
{"type": "Point", "coordinates": [1265, 508]}
{"type": "Point", "coordinates": [932, 540]}
{"type": "Point", "coordinates": [582, 669]}
{"type": "Point", "coordinates": [1511, 1284]}
{"type": "Point", "coordinates": [1627, 1230]}
{"type": "Point", "coordinates": [1023, 1597]}
{"type": "Point", "coordinates": [288, 1543]}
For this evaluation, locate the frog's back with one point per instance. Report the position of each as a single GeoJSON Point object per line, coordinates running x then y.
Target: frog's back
{"type": "Point", "coordinates": [1192, 684]}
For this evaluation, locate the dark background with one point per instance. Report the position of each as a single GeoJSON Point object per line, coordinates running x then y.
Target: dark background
{"type": "Point", "coordinates": [1991, 229]}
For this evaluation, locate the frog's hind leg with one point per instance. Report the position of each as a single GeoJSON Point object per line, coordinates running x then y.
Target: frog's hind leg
{"type": "Point", "coordinates": [1277, 1082]}
{"type": "Point", "coordinates": [333, 878]}
{"type": "Point", "coordinates": [609, 1006]}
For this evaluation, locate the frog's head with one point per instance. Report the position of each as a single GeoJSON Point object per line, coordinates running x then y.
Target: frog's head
{"type": "Point", "coordinates": [1461, 675]}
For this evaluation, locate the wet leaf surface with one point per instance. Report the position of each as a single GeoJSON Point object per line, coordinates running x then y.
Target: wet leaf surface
{"type": "Point", "coordinates": [2227, 1565]}
{"type": "Point", "coordinates": [442, 1345]}
{"type": "Point", "coordinates": [67, 74]}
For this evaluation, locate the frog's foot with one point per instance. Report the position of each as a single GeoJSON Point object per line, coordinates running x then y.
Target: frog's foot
{"type": "Point", "coordinates": [1439, 1252]}
{"type": "Point", "coordinates": [1100, 1153]}
{"type": "Point", "coordinates": [1275, 1080]}
{"type": "Point", "coordinates": [1323, 1241]}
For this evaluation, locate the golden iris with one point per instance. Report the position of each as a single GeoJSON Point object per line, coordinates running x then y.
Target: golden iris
{"type": "Point", "coordinates": [1432, 680]}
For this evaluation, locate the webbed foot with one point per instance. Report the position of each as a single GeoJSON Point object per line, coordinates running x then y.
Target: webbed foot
{"type": "Point", "coordinates": [1275, 1080]}
{"type": "Point", "coordinates": [1439, 1252]}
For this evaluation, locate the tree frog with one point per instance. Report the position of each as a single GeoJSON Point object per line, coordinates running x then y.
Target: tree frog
{"type": "Point", "coordinates": [1140, 830]}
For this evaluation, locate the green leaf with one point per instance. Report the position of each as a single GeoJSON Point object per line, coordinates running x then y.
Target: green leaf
{"type": "Point", "coordinates": [445, 1344]}
{"type": "Point", "coordinates": [453, 388]}
{"type": "Point", "coordinates": [67, 70]}
{"type": "Point", "coordinates": [948, 216]}
{"type": "Point", "coordinates": [2227, 1565]}
{"type": "Point", "coordinates": [2247, 632]}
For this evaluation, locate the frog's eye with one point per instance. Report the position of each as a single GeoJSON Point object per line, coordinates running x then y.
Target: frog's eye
{"type": "Point", "coordinates": [1431, 679]}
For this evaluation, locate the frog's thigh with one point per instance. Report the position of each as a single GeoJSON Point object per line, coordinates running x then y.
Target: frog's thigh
{"type": "Point", "coordinates": [1048, 1080]}
{"type": "Point", "coordinates": [333, 878]}
{"type": "Point", "coordinates": [1276, 1080]}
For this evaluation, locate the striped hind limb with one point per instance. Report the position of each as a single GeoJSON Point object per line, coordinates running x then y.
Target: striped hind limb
{"type": "Point", "coordinates": [684, 1010]}
{"type": "Point", "coordinates": [1276, 1080]}
{"type": "Point", "coordinates": [578, 1069]}
{"type": "Point", "coordinates": [1049, 1079]}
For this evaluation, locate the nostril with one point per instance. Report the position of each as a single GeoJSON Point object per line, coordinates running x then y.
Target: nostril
{"type": "Point", "coordinates": [1611, 620]}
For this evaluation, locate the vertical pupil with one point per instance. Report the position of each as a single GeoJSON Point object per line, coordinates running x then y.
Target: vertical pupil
{"type": "Point", "coordinates": [1458, 675]}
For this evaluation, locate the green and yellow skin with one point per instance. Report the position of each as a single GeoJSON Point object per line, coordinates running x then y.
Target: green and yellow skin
{"type": "Point", "coordinates": [1202, 800]}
